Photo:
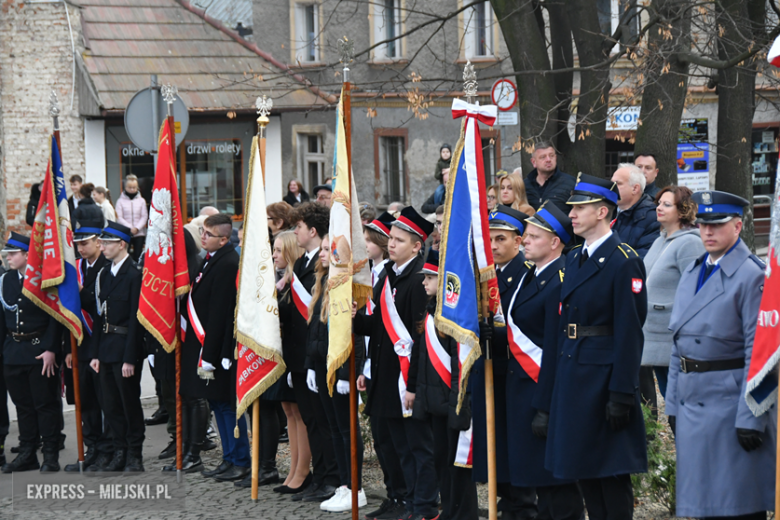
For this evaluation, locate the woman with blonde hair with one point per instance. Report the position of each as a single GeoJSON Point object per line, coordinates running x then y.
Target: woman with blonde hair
{"type": "Point", "coordinates": [286, 252]}
{"type": "Point", "coordinates": [337, 408]}
{"type": "Point", "coordinates": [492, 197]}
{"type": "Point", "coordinates": [511, 192]}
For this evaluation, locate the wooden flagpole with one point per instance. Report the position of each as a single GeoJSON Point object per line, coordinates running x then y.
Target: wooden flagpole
{"type": "Point", "coordinates": [54, 111]}
{"type": "Point", "coordinates": [346, 50]}
{"type": "Point", "coordinates": [169, 93]}
{"type": "Point", "coordinates": [470, 90]}
{"type": "Point", "coordinates": [264, 105]}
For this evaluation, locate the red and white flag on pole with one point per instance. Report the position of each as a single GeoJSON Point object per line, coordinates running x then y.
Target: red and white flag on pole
{"type": "Point", "coordinates": [165, 274]}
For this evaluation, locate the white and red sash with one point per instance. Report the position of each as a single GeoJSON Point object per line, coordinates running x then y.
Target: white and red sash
{"type": "Point", "coordinates": [528, 354]}
{"type": "Point", "coordinates": [200, 333]}
{"type": "Point", "coordinates": [465, 450]}
{"type": "Point", "coordinates": [86, 319]}
{"type": "Point", "coordinates": [402, 340]}
{"type": "Point", "coordinates": [301, 297]}
{"type": "Point", "coordinates": [439, 357]}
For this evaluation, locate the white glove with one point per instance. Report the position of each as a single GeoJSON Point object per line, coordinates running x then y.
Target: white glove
{"type": "Point", "coordinates": [226, 363]}
{"type": "Point", "coordinates": [150, 358]}
{"type": "Point", "coordinates": [289, 379]}
{"type": "Point", "coordinates": [208, 367]}
{"type": "Point", "coordinates": [342, 387]}
{"type": "Point", "coordinates": [311, 380]}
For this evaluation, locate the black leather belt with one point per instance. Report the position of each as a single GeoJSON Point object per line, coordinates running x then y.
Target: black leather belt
{"type": "Point", "coordinates": [692, 365]}
{"type": "Point", "coordinates": [28, 336]}
{"type": "Point", "coordinates": [575, 330]}
{"type": "Point", "coordinates": [113, 329]}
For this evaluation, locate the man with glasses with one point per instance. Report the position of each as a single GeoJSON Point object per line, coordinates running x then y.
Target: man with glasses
{"type": "Point", "coordinates": [208, 371]}
{"type": "Point", "coordinates": [116, 348]}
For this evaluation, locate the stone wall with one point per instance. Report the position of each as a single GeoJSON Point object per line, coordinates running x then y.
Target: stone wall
{"type": "Point", "coordinates": [35, 57]}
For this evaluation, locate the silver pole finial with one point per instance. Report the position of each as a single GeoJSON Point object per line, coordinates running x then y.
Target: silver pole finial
{"type": "Point", "coordinates": [470, 82]}
{"type": "Point", "coordinates": [346, 53]}
{"type": "Point", "coordinates": [169, 93]}
{"type": "Point", "coordinates": [264, 105]}
{"type": "Point", "coordinates": [54, 104]}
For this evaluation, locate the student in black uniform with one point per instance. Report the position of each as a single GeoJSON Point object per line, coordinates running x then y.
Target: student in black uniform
{"type": "Point", "coordinates": [507, 226]}
{"type": "Point", "coordinates": [399, 298]}
{"type": "Point", "coordinates": [116, 349]}
{"type": "Point", "coordinates": [96, 433]}
{"type": "Point", "coordinates": [532, 327]}
{"type": "Point", "coordinates": [31, 345]}
{"type": "Point", "coordinates": [438, 378]}
{"type": "Point", "coordinates": [311, 221]}
{"type": "Point", "coordinates": [336, 406]}
{"type": "Point", "coordinates": [377, 234]}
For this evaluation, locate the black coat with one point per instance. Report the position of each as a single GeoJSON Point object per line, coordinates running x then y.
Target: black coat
{"type": "Point", "coordinates": [26, 319]}
{"type": "Point", "coordinates": [214, 299]}
{"type": "Point", "coordinates": [32, 204]}
{"type": "Point", "coordinates": [88, 214]}
{"type": "Point", "coordinates": [410, 301]}
{"type": "Point", "coordinates": [508, 278]}
{"type": "Point", "coordinates": [535, 312]}
{"type": "Point", "coordinates": [294, 326]}
{"type": "Point", "coordinates": [557, 190]}
{"type": "Point", "coordinates": [88, 302]}
{"type": "Point", "coordinates": [638, 226]}
{"type": "Point", "coordinates": [120, 295]}
{"type": "Point", "coordinates": [292, 201]}
{"type": "Point", "coordinates": [607, 290]}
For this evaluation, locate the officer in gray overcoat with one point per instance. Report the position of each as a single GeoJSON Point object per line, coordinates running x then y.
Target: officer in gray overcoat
{"type": "Point", "coordinates": [725, 455]}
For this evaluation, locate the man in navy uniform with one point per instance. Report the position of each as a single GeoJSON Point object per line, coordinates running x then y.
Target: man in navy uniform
{"type": "Point", "coordinates": [116, 348]}
{"type": "Point", "coordinates": [532, 326]}
{"type": "Point", "coordinates": [97, 436]}
{"type": "Point", "coordinates": [725, 455]}
{"type": "Point", "coordinates": [596, 432]}
{"type": "Point", "coordinates": [506, 234]}
{"type": "Point", "coordinates": [31, 344]}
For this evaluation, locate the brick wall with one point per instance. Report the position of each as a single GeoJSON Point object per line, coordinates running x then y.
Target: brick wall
{"type": "Point", "coordinates": [35, 57]}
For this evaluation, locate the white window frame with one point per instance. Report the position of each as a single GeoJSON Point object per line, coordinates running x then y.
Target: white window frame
{"type": "Point", "coordinates": [384, 152]}
{"type": "Point", "coordinates": [306, 43]}
{"type": "Point", "coordinates": [471, 32]}
{"type": "Point", "coordinates": [381, 28]}
{"type": "Point", "coordinates": [305, 158]}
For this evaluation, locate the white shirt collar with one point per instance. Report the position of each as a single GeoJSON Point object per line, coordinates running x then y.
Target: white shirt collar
{"type": "Point", "coordinates": [377, 270]}
{"type": "Point", "coordinates": [591, 249]}
{"type": "Point", "coordinates": [93, 263]}
{"type": "Point", "coordinates": [115, 267]}
{"type": "Point", "coordinates": [539, 269]}
{"type": "Point", "coordinates": [398, 270]}
{"type": "Point", "coordinates": [311, 254]}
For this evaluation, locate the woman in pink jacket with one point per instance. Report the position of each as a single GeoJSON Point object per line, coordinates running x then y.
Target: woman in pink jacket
{"type": "Point", "coordinates": [131, 211]}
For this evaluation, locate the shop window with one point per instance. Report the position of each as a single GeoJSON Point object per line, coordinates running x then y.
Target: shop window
{"type": "Point", "coordinates": [387, 25]}
{"type": "Point", "coordinates": [311, 160]}
{"type": "Point", "coordinates": [307, 30]}
{"type": "Point", "coordinates": [214, 175]}
{"type": "Point", "coordinates": [391, 165]}
{"type": "Point", "coordinates": [764, 160]}
{"type": "Point", "coordinates": [141, 164]}
{"type": "Point", "coordinates": [478, 34]}
{"type": "Point", "coordinates": [616, 152]}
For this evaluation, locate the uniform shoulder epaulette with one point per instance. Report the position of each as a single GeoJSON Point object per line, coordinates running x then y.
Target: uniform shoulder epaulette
{"type": "Point", "coordinates": [760, 263]}
{"type": "Point", "coordinates": [627, 249]}
{"type": "Point", "coordinates": [529, 264]}
{"type": "Point", "coordinates": [575, 247]}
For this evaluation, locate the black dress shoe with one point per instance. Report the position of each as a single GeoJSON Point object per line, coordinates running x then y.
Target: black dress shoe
{"type": "Point", "coordinates": [245, 483]}
{"type": "Point", "coordinates": [233, 474]}
{"type": "Point", "coordinates": [208, 445]}
{"type": "Point", "coordinates": [160, 416]}
{"type": "Point", "coordinates": [223, 467]}
{"type": "Point", "coordinates": [287, 490]}
{"type": "Point", "coordinates": [169, 451]}
{"type": "Point", "coordinates": [308, 490]}
{"type": "Point", "coordinates": [323, 493]}
{"type": "Point", "coordinates": [268, 477]}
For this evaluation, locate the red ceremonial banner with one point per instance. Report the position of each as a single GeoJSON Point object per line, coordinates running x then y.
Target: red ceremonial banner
{"type": "Point", "coordinates": [165, 275]}
{"type": "Point", "coordinates": [250, 371]}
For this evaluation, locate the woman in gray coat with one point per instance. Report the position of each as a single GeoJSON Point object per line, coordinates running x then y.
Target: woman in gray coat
{"type": "Point", "coordinates": [678, 246]}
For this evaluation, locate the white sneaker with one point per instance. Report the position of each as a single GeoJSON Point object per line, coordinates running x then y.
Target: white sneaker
{"type": "Point", "coordinates": [335, 499]}
{"type": "Point", "coordinates": [344, 502]}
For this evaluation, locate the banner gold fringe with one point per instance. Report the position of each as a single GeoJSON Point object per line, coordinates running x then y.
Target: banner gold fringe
{"type": "Point", "coordinates": [168, 347]}
{"type": "Point", "coordinates": [361, 294]}
{"type": "Point", "coordinates": [205, 374]}
{"type": "Point", "coordinates": [59, 317]}
{"type": "Point", "coordinates": [488, 273]}
{"type": "Point", "coordinates": [259, 388]}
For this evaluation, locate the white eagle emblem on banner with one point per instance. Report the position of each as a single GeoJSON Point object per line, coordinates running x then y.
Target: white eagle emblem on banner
{"type": "Point", "coordinates": [158, 240]}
